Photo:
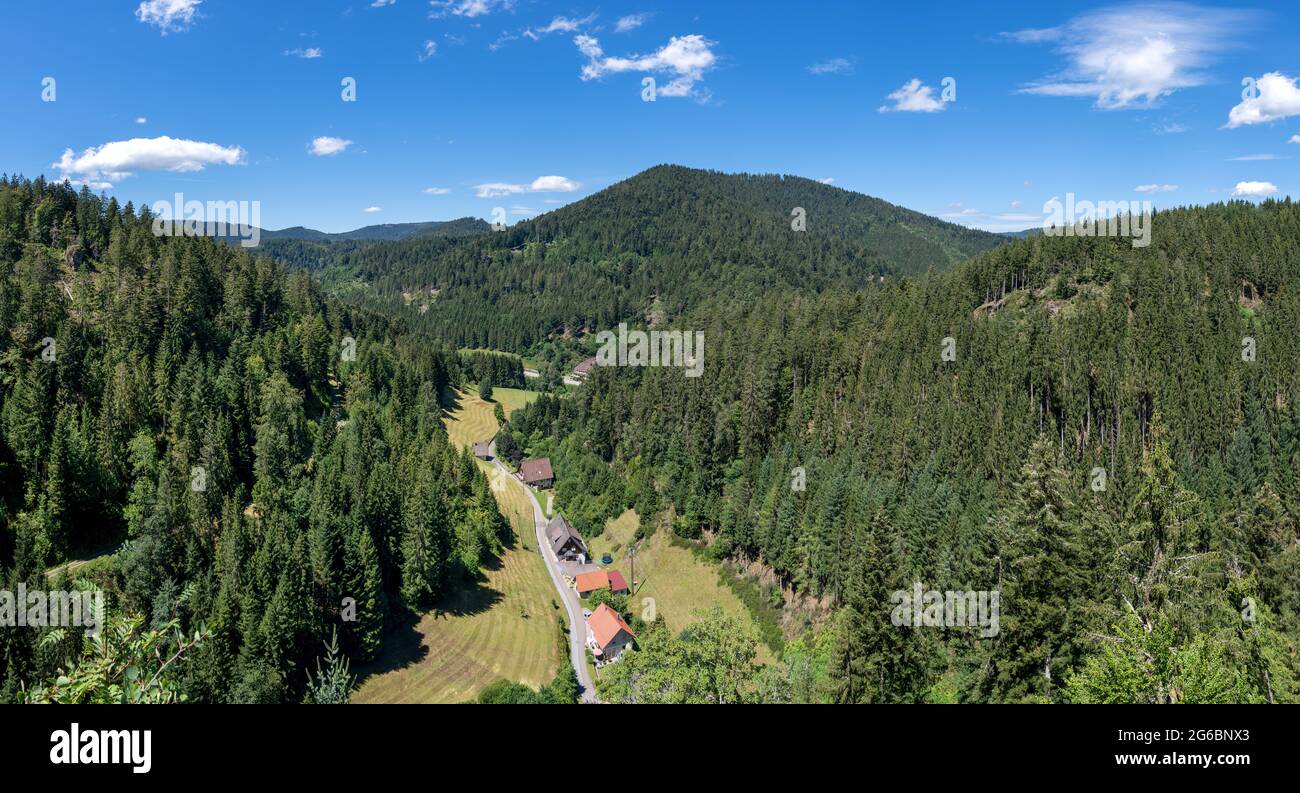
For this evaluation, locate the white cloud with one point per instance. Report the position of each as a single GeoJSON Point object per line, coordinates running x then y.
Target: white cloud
{"type": "Point", "coordinates": [117, 160]}
{"type": "Point", "coordinates": [1017, 204]}
{"type": "Point", "coordinates": [326, 146]}
{"type": "Point", "coordinates": [373, 209]}
{"type": "Point", "coordinates": [1276, 97]}
{"type": "Point", "coordinates": [430, 49]}
{"type": "Point", "coordinates": [382, 3]}
{"type": "Point", "coordinates": [631, 22]}
{"type": "Point", "coordinates": [560, 25]}
{"type": "Point", "coordinates": [468, 8]}
{"type": "Point", "coordinates": [913, 97]}
{"type": "Point", "coordinates": [436, 190]}
{"type": "Point", "coordinates": [961, 213]}
{"type": "Point", "coordinates": [1155, 188]}
{"type": "Point", "coordinates": [169, 16]}
{"type": "Point", "coordinates": [827, 180]}
{"type": "Point", "coordinates": [1253, 158]}
{"type": "Point", "coordinates": [310, 52]}
{"type": "Point", "coordinates": [1173, 128]}
{"type": "Point", "coordinates": [1294, 139]}
{"type": "Point", "coordinates": [542, 184]}
{"type": "Point", "coordinates": [553, 184]}
{"type": "Point", "coordinates": [1131, 56]}
{"type": "Point", "coordinates": [1017, 217]}
{"type": "Point", "coordinates": [498, 189]}
{"type": "Point", "coordinates": [833, 66]}
{"type": "Point", "coordinates": [519, 209]}
{"type": "Point", "coordinates": [141, 120]}
{"type": "Point", "coordinates": [1254, 189]}
{"type": "Point", "coordinates": [686, 58]}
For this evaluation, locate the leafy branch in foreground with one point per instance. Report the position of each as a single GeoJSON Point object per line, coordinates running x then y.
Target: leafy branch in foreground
{"type": "Point", "coordinates": [125, 664]}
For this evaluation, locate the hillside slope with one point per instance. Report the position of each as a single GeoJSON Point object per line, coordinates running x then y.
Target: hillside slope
{"type": "Point", "coordinates": [1112, 446]}
{"type": "Point", "coordinates": [655, 245]}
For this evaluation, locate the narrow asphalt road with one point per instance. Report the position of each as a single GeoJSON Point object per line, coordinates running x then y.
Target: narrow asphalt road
{"type": "Point", "coordinates": [577, 625]}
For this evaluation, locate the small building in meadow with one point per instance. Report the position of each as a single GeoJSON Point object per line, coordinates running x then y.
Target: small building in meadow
{"type": "Point", "coordinates": [537, 473]}
{"type": "Point", "coordinates": [607, 634]}
{"type": "Point", "coordinates": [483, 450]}
{"type": "Point", "coordinates": [565, 540]}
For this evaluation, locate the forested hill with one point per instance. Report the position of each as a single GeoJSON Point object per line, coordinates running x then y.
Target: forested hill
{"type": "Point", "coordinates": [272, 462]}
{"type": "Point", "coordinates": [660, 243]}
{"type": "Point", "coordinates": [1114, 448]}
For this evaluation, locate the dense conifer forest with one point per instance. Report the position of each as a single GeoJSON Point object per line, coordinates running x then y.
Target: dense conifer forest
{"type": "Point", "coordinates": [270, 464]}
{"type": "Point", "coordinates": [1171, 370]}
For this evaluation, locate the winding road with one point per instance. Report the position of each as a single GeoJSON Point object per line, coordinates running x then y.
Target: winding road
{"type": "Point", "coordinates": [577, 624]}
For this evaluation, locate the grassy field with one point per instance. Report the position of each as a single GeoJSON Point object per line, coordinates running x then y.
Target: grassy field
{"type": "Point", "coordinates": [677, 580]}
{"type": "Point", "coordinates": [471, 420]}
{"type": "Point", "coordinates": [505, 626]}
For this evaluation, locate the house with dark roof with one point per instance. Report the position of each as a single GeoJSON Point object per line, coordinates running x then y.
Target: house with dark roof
{"type": "Point", "coordinates": [587, 583]}
{"type": "Point", "coordinates": [565, 540]}
{"type": "Point", "coordinates": [483, 450]}
{"type": "Point", "coordinates": [537, 473]}
{"type": "Point", "coordinates": [607, 634]}
{"type": "Point", "coordinates": [583, 369]}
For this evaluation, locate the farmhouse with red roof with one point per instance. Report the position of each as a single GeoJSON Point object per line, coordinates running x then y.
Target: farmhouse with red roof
{"type": "Point", "coordinates": [607, 634]}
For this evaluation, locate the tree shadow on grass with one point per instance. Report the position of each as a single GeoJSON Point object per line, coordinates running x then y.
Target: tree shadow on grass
{"type": "Point", "coordinates": [403, 647]}
{"type": "Point", "coordinates": [404, 643]}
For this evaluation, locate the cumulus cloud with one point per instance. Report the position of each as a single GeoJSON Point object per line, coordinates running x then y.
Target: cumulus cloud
{"type": "Point", "coordinates": [553, 184]}
{"type": "Point", "coordinates": [833, 66]}
{"type": "Point", "coordinates": [468, 8]}
{"type": "Point", "coordinates": [542, 184]}
{"type": "Point", "coordinates": [309, 52]}
{"type": "Point", "coordinates": [169, 16]}
{"type": "Point", "coordinates": [913, 97]}
{"type": "Point", "coordinates": [1276, 97]}
{"type": "Point", "coordinates": [430, 50]}
{"type": "Point", "coordinates": [436, 190]}
{"type": "Point", "coordinates": [1132, 56]}
{"type": "Point", "coordinates": [1254, 189]}
{"type": "Point", "coordinates": [100, 166]}
{"type": "Point", "coordinates": [560, 25]}
{"type": "Point", "coordinates": [1294, 139]}
{"type": "Point", "coordinates": [631, 22]}
{"type": "Point", "coordinates": [141, 120]}
{"type": "Point", "coordinates": [372, 210]}
{"type": "Point", "coordinates": [1155, 188]}
{"type": "Point", "coordinates": [326, 146]}
{"type": "Point", "coordinates": [685, 58]}
{"type": "Point", "coordinates": [827, 180]}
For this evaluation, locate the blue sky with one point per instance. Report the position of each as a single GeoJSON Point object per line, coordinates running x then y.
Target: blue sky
{"type": "Point", "coordinates": [466, 105]}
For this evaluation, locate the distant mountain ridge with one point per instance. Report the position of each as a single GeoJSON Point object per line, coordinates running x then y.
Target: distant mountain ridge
{"type": "Point", "coordinates": [386, 231]}
{"type": "Point", "coordinates": [380, 232]}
